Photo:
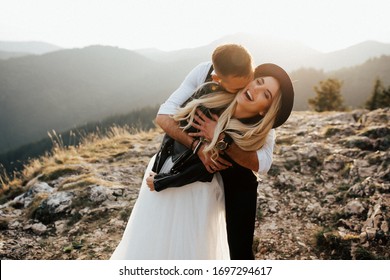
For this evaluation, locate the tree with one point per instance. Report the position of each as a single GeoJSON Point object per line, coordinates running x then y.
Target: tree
{"type": "Point", "coordinates": [380, 97]}
{"type": "Point", "coordinates": [328, 96]}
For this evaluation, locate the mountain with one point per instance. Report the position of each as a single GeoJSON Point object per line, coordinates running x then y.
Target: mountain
{"type": "Point", "coordinates": [62, 89]}
{"type": "Point", "coordinates": [28, 47]}
{"type": "Point", "coordinates": [14, 160]}
{"type": "Point", "coordinates": [351, 56]}
{"type": "Point", "coordinates": [6, 55]}
{"type": "Point", "coordinates": [67, 88]}
{"type": "Point", "coordinates": [358, 81]}
{"type": "Point", "coordinates": [273, 50]}
{"type": "Point", "coordinates": [291, 55]}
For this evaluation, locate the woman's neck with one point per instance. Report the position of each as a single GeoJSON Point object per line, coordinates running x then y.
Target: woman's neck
{"type": "Point", "coordinates": [246, 118]}
{"type": "Point", "coordinates": [241, 114]}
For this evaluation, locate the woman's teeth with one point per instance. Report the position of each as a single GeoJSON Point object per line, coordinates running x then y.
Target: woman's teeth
{"type": "Point", "coordinates": [249, 95]}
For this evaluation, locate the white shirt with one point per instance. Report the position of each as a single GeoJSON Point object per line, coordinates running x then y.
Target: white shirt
{"type": "Point", "coordinates": [191, 82]}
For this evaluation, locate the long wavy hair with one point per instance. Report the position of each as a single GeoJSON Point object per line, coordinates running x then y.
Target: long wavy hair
{"type": "Point", "coordinates": [249, 137]}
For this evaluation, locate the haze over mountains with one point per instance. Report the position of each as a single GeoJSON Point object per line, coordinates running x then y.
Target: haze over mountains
{"type": "Point", "coordinates": [47, 87]}
{"type": "Point", "coordinates": [17, 49]}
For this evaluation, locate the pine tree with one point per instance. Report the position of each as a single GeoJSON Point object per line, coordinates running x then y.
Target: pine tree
{"type": "Point", "coordinates": [380, 97]}
{"type": "Point", "coordinates": [328, 96]}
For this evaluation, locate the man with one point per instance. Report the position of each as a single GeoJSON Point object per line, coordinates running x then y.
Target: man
{"type": "Point", "coordinates": [232, 68]}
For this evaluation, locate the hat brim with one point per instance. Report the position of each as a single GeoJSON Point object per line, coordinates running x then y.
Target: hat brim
{"type": "Point", "coordinates": [286, 87]}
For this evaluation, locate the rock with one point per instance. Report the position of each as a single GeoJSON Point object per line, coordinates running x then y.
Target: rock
{"type": "Point", "coordinates": [336, 162]}
{"type": "Point", "coordinates": [363, 237]}
{"type": "Point", "coordinates": [39, 228]}
{"type": "Point", "coordinates": [361, 142]}
{"type": "Point", "coordinates": [354, 207]}
{"type": "Point", "coordinates": [60, 226]}
{"type": "Point", "coordinates": [376, 132]}
{"type": "Point", "coordinates": [330, 171]}
{"type": "Point", "coordinates": [362, 189]}
{"type": "Point", "coordinates": [26, 198]}
{"type": "Point", "coordinates": [385, 227]}
{"type": "Point", "coordinates": [15, 225]}
{"type": "Point", "coordinates": [371, 232]}
{"type": "Point", "coordinates": [314, 208]}
{"type": "Point", "coordinates": [98, 193]}
{"type": "Point", "coordinates": [59, 202]}
{"type": "Point", "coordinates": [330, 199]}
{"type": "Point", "coordinates": [55, 206]}
{"type": "Point", "coordinates": [272, 206]}
{"type": "Point", "coordinates": [376, 117]}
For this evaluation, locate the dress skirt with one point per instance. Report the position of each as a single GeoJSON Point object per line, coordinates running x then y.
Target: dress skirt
{"type": "Point", "coordinates": [185, 223]}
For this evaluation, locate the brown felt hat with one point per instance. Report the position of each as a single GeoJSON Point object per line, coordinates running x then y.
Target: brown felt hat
{"type": "Point", "coordinates": [286, 87]}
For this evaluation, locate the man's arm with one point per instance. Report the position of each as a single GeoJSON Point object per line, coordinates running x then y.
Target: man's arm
{"type": "Point", "coordinates": [247, 159]}
{"type": "Point", "coordinates": [172, 128]}
{"type": "Point", "coordinates": [258, 161]}
{"type": "Point", "coordinates": [191, 82]}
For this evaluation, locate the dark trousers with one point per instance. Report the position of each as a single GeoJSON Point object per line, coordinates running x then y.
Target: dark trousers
{"type": "Point", "coordinates": [240, 186]}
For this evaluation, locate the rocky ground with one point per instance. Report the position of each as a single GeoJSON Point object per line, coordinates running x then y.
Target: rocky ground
{"type": "Point", "coordinates": [327, 195]}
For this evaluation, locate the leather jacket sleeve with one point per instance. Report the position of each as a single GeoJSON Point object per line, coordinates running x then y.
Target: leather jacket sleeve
{"type": "Point", "coordinates": [190, 174]}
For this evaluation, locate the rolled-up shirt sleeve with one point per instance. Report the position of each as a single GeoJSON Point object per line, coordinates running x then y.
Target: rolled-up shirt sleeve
{"type": "Point", "coordinates": [192, 81]}
{"type": "Point", "coordinates": [265, 154]}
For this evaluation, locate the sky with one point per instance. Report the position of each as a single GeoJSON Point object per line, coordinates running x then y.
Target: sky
{"type": "Point", "coordinates": [176, 24]}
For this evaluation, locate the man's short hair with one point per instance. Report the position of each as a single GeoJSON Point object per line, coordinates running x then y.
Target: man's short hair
{"type": "Point", "coordinates": [232, 59]}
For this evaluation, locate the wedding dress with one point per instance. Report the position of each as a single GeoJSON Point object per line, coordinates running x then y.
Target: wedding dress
{"type": "Point", "coordinates": [185, 223]}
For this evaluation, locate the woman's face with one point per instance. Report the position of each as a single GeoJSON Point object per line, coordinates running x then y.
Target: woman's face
{"type": "Point", "coordinates": [257, 97]}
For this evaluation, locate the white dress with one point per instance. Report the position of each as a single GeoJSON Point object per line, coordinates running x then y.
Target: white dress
{"type": "Point", "coordinates": [185, 223]}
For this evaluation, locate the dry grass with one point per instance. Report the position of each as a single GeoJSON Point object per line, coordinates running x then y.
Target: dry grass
{"type": "Point", "coordinates": [74, 162]}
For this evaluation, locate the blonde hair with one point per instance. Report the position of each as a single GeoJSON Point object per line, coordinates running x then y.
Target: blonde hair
{"type": "Point", "coordinates": [249, 137]}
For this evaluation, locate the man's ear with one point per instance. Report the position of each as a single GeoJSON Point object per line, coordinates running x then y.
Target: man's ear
{"type": "Point", "coordinates": [216, 78]}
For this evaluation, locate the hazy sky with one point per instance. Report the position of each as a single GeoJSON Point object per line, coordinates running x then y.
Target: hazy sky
{"type": "Point", "coordinates": [174, 24]}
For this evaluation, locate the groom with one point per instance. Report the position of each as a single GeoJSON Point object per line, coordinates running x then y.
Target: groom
{"type": "Point", "coordinates": [232, 68]}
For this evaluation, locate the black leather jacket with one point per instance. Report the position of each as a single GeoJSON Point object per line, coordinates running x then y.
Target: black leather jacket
{"type": "Point", "coordinates": [187, 168]}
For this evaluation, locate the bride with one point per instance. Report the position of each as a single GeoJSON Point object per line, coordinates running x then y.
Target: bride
{"type": "Point", "coordinates": [186, 221]}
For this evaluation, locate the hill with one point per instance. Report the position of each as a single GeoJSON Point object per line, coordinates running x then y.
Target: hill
{"type": "Point", "coordinates": [67, 88]}
{"type": "Point", "coordinates": [290, 55]}
{"type": "Point", "coordinates": [13, 160]}
{"type": "Point", "coordinates": [63, 89]}
{"type": "Point", "coordinates": [358, 81]}
{"type": "Point", "coordinates": [327, 195]}
{"type": "Point", "coordinates": [28, 47]}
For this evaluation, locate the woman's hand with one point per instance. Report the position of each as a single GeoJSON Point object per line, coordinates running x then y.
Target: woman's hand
{"type": "Point", "coordinates": [205, 125]}
{"type": "Point", "coordinates": [150, 180]}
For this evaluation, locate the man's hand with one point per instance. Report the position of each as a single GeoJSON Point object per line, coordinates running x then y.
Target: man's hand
{"type": "Point", "coordinates": [172, 129]}
{"type": "Point", "coordinates": [205, 125]}
{"type": "Point", "coordinates": [211, 166]}
{"type": "Point", "coordinates": [150, 180]}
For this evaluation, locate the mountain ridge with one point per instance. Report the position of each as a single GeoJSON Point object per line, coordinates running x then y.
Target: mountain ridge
{"type": "Point", "coordinates": [69, 87]}
{"type": "Point", "coordinates": [29, 47]}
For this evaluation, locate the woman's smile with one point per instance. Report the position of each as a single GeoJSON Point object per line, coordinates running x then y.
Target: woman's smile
{"type": "Point", "coordinates": [256, 97]}
{"type": "Point", "coordinates": [248, 95]}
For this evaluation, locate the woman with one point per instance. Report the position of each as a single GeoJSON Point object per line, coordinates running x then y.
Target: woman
{"type": "Point", "coordinates": [189, 222]}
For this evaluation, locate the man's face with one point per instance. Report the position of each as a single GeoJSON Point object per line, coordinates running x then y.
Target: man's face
{"type": "Point", "coordinates": [231, 83]}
